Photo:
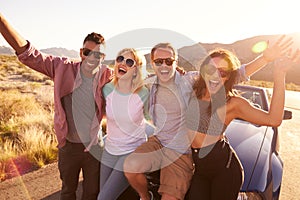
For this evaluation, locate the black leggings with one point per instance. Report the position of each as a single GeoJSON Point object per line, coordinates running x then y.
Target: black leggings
{"type": "Point", "coordinates": [218, 173]}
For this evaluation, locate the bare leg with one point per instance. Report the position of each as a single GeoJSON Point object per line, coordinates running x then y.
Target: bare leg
{"type": "Point", "coordinates": [139, 182]}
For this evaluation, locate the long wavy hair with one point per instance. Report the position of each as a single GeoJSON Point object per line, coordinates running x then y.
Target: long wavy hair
{"type": "Point", "coordinates": [233, 65]}
{"type": "Point", "coordinates": [137, 81]}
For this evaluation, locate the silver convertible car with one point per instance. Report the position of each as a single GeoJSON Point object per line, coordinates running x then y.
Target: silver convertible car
{"type": "Point", "coordinates": [257, 149]}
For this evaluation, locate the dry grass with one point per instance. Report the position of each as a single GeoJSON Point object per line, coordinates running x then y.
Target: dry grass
{"type": "Point", "coordinates": [289, 86]}
{"type": "Point", "coordinates": [26, 129]}
{"type": "Point", "coordinates": [26, 118]}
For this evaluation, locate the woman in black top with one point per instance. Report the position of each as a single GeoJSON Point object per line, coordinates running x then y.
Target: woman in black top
{"type": "Point", "coordinates": [218, 172]}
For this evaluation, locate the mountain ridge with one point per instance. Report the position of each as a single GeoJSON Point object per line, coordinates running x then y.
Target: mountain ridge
{"type": "Point", "coordinates": [191, 56]}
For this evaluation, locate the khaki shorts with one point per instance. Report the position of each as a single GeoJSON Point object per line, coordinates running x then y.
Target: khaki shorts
{"type": "Point", "coordinates": [176, 169]}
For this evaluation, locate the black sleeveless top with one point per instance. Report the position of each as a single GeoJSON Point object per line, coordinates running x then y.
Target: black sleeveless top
{"type": "Point", "coordinates": [203, 118]}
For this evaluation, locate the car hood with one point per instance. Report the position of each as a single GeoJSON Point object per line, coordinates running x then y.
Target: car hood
{"type": "Point", "coordinates": [253, 147]}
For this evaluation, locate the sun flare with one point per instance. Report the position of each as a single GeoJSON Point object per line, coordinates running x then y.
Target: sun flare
{"type": "Point", "coordinates": [259, 47]}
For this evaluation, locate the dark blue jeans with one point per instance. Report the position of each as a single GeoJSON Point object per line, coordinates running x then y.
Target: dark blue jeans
{"type": "Point", "coordinates": [71, 160]}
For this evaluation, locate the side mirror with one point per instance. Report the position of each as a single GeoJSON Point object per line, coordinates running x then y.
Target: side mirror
{"type": "Point", "coordinates": [287, 114]}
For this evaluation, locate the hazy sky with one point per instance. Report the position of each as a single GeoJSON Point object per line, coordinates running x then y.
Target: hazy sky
{"type": "Point", "coordinates": [64, 23]}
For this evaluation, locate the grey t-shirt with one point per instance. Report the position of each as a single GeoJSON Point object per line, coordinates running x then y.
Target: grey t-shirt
{"type": "Point", "coordinates": [80, 110]}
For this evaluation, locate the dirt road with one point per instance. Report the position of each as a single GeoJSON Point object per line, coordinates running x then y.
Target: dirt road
{"type": "Point", "coordinates": [290, 149]}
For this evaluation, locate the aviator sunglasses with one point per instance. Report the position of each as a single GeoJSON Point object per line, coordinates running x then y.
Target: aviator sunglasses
{"type": "Point", "coordinates": [88, 52]}
{"type": "Point", "coordinates": [129, 62]}
{"type": "Point", "coordinates": [160, 61]}
{"type": "Point", "coordinates": [211, 69]}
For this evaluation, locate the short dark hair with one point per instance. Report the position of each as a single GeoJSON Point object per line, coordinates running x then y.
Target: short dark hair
{"type": "Point", "coordinates": [166, 45]}
{"type": "Point", "coordinates": [94, 37]}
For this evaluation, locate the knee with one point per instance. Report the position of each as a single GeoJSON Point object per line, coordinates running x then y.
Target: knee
{"type": "Point", "coordinates": [132, 165]}
{"type": "Point", "coordinates": [130, 176]}
{"type": "Point", "coordinates": [131, 168]}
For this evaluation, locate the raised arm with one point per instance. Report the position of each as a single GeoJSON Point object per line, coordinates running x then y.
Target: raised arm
{"type": "Point", "coordinates": [282, 65]}
{"type": "Point", "coordinates": [281, 47]}
{"type": "Point", "coordinates": [13, 38]}
{"type": "Point", "coordinates": [275, 115]}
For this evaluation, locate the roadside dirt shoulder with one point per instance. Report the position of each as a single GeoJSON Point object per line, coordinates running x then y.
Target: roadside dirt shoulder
{"type": "Point", "coordinates": [35, 185]}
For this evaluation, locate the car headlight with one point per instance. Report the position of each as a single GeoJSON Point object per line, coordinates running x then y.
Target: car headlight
{"type": "Point", "coordinates": [249, 196]}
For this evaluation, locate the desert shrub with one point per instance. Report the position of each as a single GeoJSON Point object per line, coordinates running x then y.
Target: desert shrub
{"type": "Point", "coordinates": [26, 117]}
{"type": "Point", "coordinates": [26, 129]}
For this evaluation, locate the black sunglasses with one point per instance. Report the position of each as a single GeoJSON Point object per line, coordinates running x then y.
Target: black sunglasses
{"type": "Point", "coordinates": [129, 62]}
{"type": "Point", "coordinates": [211, 69]}
{"type": "Point", "coordinates": [97, 54]}
{"type": "Point", "coordinates": [160, 61]}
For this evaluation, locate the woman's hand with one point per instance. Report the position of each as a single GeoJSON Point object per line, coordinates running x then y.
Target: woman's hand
{"type": "Point", "coordinates": [284, 63]}
{"type": "Point", "coordinates": [280, 48]}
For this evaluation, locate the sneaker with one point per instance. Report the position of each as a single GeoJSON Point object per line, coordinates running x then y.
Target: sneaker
{"type": "Point", "coordinates": [151, 195]}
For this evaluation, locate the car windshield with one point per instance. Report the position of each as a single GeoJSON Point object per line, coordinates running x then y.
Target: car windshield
{"type": "Point", "coordinates": [254, 96]}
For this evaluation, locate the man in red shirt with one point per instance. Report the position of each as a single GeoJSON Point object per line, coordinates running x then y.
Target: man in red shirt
{"type": "Point", "coordinates": [78, 106]}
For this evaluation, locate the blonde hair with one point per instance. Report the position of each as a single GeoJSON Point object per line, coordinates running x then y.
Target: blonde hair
{"type": "Point", "coordinates": [137, 81]}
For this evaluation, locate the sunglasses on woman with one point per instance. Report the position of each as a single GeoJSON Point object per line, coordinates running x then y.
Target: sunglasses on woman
{"type": "Point", "coordinates": [88, 52]}
{"type": "Point", "coordinates": [211, 69]}
{"type": "Point", "coordinates": [129, 62]}
{"type": "Point", "coordinates": [160, 61]}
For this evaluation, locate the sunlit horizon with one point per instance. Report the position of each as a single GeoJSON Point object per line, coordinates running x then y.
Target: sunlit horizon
{"type": "Point", "coordinates": [65, 23]}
